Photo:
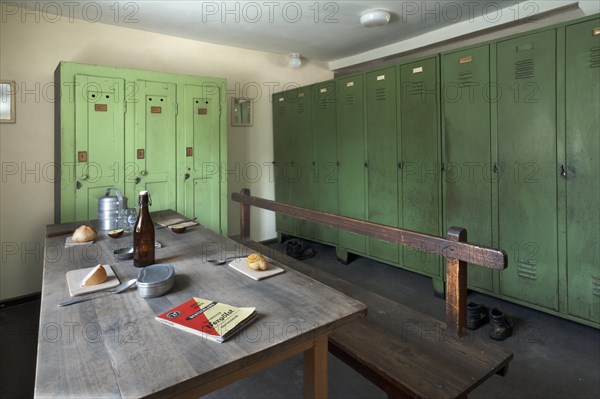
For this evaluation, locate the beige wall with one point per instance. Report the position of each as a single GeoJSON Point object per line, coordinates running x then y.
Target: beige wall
{"type": "Point", "coordinates": [31, 51]}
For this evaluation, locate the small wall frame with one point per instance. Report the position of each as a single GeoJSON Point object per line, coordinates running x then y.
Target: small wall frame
{"type": "Point", "coordinates": [241, 112]}
{"type": "Point", "coordinates": [8, 112]}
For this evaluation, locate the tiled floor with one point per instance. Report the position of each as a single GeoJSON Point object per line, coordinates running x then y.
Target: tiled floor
{"type": "Point", "coordinates": [553, 358]}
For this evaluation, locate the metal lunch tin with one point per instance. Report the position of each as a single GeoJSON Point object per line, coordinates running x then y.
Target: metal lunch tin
{"type": "Point", "coordinates": [155, 280]}
{"type": "Point", "coordinates": [109, 207]}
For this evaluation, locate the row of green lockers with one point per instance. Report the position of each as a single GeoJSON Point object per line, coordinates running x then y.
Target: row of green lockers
{"type": "Point", "coordinates": [500, 138]}
{"type": "Point", "coordinates": [140, 130]}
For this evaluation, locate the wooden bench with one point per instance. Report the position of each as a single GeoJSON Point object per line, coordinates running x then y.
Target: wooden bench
{"type": "Point", "coordinates": [405, 352]}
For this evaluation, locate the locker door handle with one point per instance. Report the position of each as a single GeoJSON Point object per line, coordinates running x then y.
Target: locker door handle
{"type": "Point", "coordinates": [138, 180]}
{"type": "Point", "coordinates": [400, 165]}
{"type": "Point", "coordinates": [563, 171]}
{"type": "Point", "coordinates": [366, 164]}
{"type": "Point", "coordinates": [186, 177]}
{"type": "Point", "coordinates": [84, 177]}
{"type": "Point", "coordinates": [78, 185]}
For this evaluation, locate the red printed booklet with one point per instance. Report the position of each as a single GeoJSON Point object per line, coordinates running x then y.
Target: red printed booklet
{"type": "Point", "coordinates": [213, 320]}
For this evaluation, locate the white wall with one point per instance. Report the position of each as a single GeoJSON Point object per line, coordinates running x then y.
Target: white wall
{"type": "Point", "coordinates": [31, 50]}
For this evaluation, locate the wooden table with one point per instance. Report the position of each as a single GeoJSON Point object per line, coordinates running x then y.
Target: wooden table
{"type": "Point", "coordinates": [111, 346]}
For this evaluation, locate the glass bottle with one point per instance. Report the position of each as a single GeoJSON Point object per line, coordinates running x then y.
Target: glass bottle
{"type": "Point", "coordinates": [143, 234]}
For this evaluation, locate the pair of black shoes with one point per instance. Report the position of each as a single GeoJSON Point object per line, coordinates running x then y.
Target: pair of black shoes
{"type": "Point", "coordinates": [297, 250]}
{"type": "Point", "coordinates": [501, 325]}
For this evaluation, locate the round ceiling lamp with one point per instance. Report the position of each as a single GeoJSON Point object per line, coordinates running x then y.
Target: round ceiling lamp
{"type": "Point", "coordinates": [375, 18]}
{"type": "Point", "coordinates": [295, 61]}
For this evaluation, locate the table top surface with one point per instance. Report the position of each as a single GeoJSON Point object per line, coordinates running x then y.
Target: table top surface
{"type": "Point", "coordinates": [111, 346]}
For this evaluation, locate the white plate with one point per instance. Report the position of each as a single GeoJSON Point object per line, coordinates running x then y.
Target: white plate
{"type": "Point", "coordinates": [241, 266]}
{"type": "Point", "coordinates": [74, 278]}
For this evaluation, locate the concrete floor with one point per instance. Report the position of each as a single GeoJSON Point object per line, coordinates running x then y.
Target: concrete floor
{"type": "Point", "coordinates": [553, 358]}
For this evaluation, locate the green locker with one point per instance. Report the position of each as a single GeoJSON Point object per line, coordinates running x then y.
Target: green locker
{"type": "Point", "coordinates": [154, 143]}
{"type": "Point", "coordinates": [201, 180]}
{"type": "Point", "coordinates": [582, 170]}
{"type": "Point", "coordinates": [419, 159]}
{"type": "Point", "coordinates": [324, 129]}
{"type": "Point", "coordinates": [351, 153]}
{"type": "Point", "coordinates": [99, 142]}
{"type": "Point", "coordinates": [128, 128]}
{"type": "Point", "coordinates": [284, 171]}
{"type": "Point", "coordinates": [382, 163]}
{"type": "Point", "coordinates": [527, 151]}
{"type": "Point", "coordinates": [468, 170]}
{"type": "Point", "coordinates": [302, 174]}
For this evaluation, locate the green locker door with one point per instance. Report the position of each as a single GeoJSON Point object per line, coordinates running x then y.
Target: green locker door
{"type": "Point", "coordinates": [99, 141]}
{"type": "Point", "coordinates": [419, 159]}
{"type": "Point", "coordinates": [467, 178]}
{"type": "Point", "coordinates": [527, 185]}
{"type": "Point", "coordinates": [583, 169]}
{"type": "Point", "coordinates": [202, 108]}
{"type": "Point", "coordinates": [284, 170]}
{"type": "Point", "coordinates": [303, 158]}
{"type": "Point", "coordinates": [154, 143]}
{"type": "Point", "coordinates": [325, 142]}
{"type": "Point", "coordinates": [382, 168]}
{"type": "Point", "coordinates": [351, 153]}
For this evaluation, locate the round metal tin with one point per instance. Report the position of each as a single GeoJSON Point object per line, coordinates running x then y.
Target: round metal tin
{"type": "Point", "coordinates": [123, 253]}
{"type": "Point", "coordinates": [155, 280]}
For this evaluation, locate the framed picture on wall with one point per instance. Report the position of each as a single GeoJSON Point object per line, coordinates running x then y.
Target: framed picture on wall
{"type": "Point", "coordinates": [241, 112]}
{"type": "Point", "coordinates": [7, 101]}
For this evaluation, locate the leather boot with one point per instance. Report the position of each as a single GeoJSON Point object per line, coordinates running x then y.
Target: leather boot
{"type": "Point", "coordinates": [477, 315]}
{"type": "Point", "coordinates": [501, 325]}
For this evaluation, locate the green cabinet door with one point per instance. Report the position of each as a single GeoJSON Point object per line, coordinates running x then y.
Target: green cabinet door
{"type": "Point", "coordinates": [324, 131]}
{"type": "Point", "coordinates": [583, 169]}
{"type": "Point", "coordinates": [201, 179]}
{"type": "Point", "coordinates": [467, 151]}
{"type": "Point", "coordinates": [419, 159]}
{"type": "Point", "coordinates": [154, 143]}
{"type": "Point", "coordinates": [303, 173]}
{"type": "Point", "coordinates": [99, 142]}
{"type": "Point", "coordinates": [382, 167]}
{"type": "Point", "coordinates": [351, 153]}
{"type": "Point", "coordinates": [527, 185]}
{"type": "Point", "coordinates": [284, 170]}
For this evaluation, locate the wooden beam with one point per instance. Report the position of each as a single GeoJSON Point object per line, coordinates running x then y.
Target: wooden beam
{"type": "Point", "coordinates": [456, 288]}
{"type": "Point", "coordinates": [484, 256]}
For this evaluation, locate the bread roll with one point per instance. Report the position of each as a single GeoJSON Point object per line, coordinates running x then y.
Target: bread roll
{"type": "Point", "coordinates": [257, 262]}
{"type": "Point", "coordinates": [96, 276]}
{"type": "Point", "coordinates": [84, 234]}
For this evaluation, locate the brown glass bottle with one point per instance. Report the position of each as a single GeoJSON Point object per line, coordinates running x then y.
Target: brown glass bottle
{"type": "Point", "coordinates": [143, 234]}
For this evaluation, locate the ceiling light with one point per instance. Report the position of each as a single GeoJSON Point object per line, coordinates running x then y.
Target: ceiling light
{"type": "Point", "coordinates": [295, 61]}
{"type": "Point", "coordinates": [375, 18]}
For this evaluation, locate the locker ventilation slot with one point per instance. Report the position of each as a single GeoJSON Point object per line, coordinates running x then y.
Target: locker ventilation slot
{"type": "Point", "coordinates": [595, 57]}
{"type": "Point", "coordinates": [465, 79]}
{"type": "Point", "coordinates": [325, 104]}
{"type": "Point", "coordinates": [380, 94]}
{"type": "Point", "coordinates": [300, 108]}
{"type": "Point", "coordinates": [527, 269]}
{"type": "Point", "coordinates": [350, 99]}
{"type": "Point", "coordinates": [596, 285]}
{"type": "Point", "coordinates": [524, 69]}
{"type": "Point", "coordinates": [282, 111]}
{"type": "Point", "coordinates": [416, 89]}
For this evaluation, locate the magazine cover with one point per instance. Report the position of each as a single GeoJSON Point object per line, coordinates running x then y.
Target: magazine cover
{"type": "Point", "coordinates": [213, 320]}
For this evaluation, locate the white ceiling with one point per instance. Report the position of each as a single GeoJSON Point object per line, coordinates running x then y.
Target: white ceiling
{"type": "Point", "coordinates": [326, 31]}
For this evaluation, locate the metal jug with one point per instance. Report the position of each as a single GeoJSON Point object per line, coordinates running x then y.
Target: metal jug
{"type": "Point", "coordinates": [110, 209]}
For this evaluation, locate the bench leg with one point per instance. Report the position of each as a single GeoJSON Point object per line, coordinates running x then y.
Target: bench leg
{"type": "Point", "coordinates": [315, 369]}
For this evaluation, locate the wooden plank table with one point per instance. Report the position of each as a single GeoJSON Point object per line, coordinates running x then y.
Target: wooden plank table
{"type": "Point", "coordinates": [111, 346]}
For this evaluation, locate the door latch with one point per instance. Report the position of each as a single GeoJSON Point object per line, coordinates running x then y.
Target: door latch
{"type": "Point", "coordinates": [78, 185]}
{"type": "Point", "coordinates": [138, 180]}
{"type": "Point", "coordinates": [186, 177]}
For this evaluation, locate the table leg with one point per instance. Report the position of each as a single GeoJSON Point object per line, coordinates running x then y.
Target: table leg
{"type": "Point", "coordinates": [315, 369]}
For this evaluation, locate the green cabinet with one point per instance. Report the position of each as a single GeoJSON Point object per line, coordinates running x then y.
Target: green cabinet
{"type": "Point", "coordinates": [419, 159]}
{"type": "Point", "coordinates": [302, 171]}
{"type": "Point", "coordinates": [140, 130]}
{"type": "Point", "coordinates": [284, 169]}
{"type": "Point", "coordinates": [324, 130]}
{"type": "Point", "coordinates": [527, 183]}
{"type": "Point", "coordinates": [352, 156]}
{"type": "Point", "coordinates": [581, 169]}
{"type": "Point", "coordinates": [468, 169]}
{"type": "Point", "coordinates": [382, 162]}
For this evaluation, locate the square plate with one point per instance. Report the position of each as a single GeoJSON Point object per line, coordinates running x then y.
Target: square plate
{"type": "Point", "coordinates": [74, 278]}
{"type": "Point", "coordinates": [241, 266]}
